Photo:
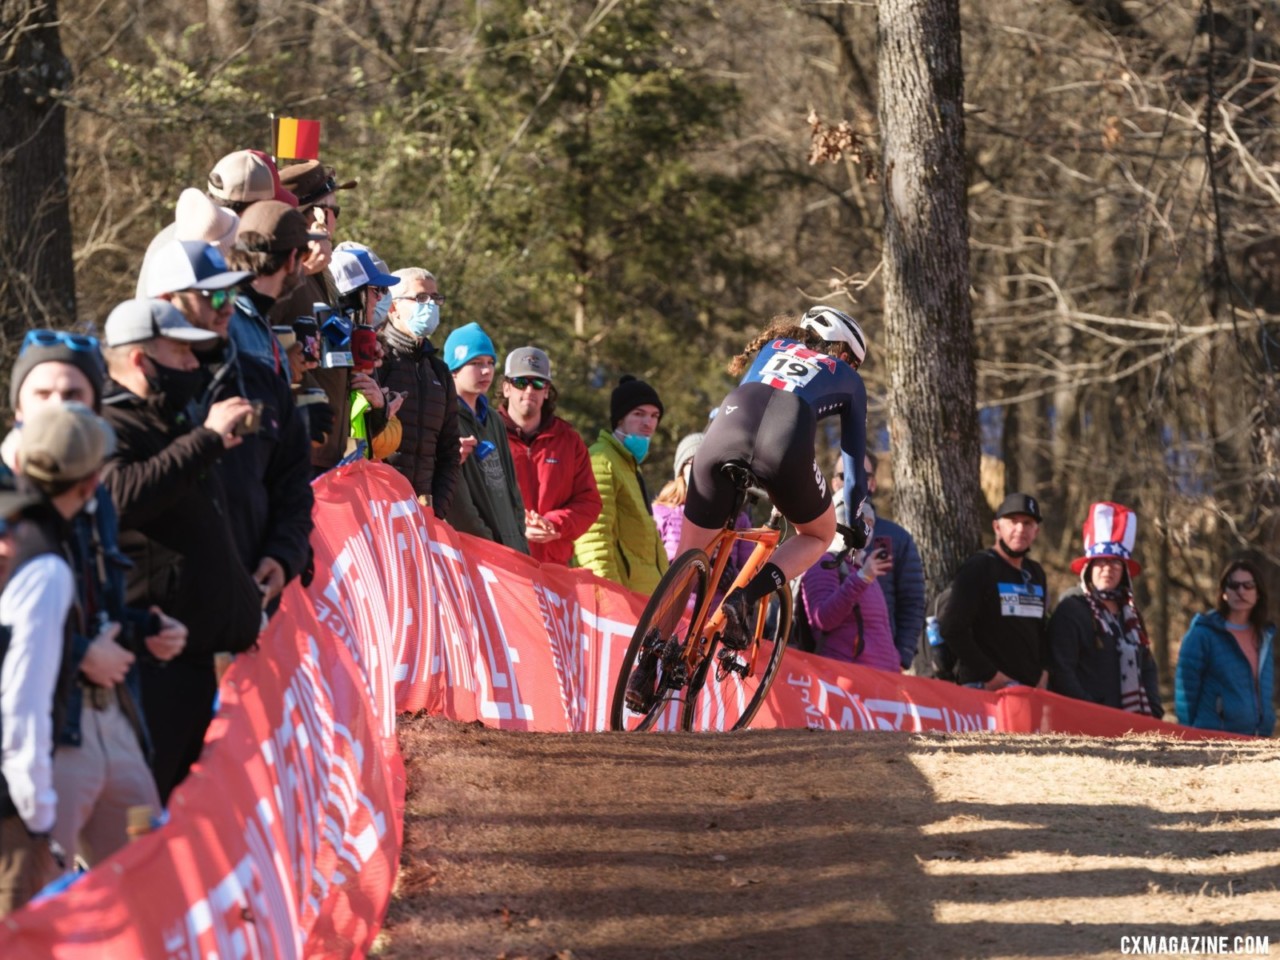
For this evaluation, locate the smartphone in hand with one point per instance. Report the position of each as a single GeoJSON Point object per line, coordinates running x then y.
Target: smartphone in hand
{"type": "Point", "coordinates": [882, 548]}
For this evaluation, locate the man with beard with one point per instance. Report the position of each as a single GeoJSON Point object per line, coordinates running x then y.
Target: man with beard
{"type": "Point", "coordinates": [267, 478]}
{"type": "Point", "coordinates": [553, 467]}
{"type": "Point", "coordinates": [173, 519]}
{"type": "Point", "coordinates": [271, 243]}
{"type": "Point", "coordinates": [995, 620]}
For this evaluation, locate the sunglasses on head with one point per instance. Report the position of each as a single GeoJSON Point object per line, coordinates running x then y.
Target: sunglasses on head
{"type": "Point", "coordinates": [51, 338]}
{"type": "Point", "coordinates": [217, 298]}
{"type": "Point", "coordinates": [521, 383]}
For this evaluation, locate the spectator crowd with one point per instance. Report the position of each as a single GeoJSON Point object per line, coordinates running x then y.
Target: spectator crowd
{"type": "Point", "coordinates": [156, 500]}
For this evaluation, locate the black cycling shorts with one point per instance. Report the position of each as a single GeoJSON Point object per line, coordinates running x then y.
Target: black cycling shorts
{"type": "Point", "coordinates": [772, 431]}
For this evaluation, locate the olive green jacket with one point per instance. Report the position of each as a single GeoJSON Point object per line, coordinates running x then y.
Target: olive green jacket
{"type": "Point", "coordinates": [623, 544]}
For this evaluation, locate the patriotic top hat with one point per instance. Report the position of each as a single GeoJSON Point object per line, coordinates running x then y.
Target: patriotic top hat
{"type": "Point", "coordinates": [1109, 531]}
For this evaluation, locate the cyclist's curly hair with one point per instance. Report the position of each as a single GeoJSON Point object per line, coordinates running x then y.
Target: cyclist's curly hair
{"type": "Point", "coordinates": [784, 326]}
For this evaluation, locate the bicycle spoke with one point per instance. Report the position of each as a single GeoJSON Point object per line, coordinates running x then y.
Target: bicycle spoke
{"type": "Point", "coordinates": [734, 691]}
{"type": "Point", "coordinates": [652, 674]}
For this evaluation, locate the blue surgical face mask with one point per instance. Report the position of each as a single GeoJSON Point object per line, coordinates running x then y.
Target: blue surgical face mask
{"type": "Point", "coordinates": [380, 311]}
{"type": "Point", "coordinates": [424, 319]}
{"type": "Point", "coordinates": [637, 446]}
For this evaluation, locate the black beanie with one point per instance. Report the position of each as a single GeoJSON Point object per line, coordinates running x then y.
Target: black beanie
{"type": "Point", "coordinates": [88, 362]}
{"type": "Point", "coordinates": [629, 394]}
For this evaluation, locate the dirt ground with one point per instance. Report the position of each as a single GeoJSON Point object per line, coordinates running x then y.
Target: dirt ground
{"type": "Point", "coordinates": [798, 844]}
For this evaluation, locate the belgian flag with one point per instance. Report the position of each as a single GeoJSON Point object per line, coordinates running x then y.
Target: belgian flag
{"type": "Point", "coordinates": [296, 139]}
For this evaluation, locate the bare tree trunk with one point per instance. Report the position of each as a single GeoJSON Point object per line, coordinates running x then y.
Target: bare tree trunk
{"type": "Point", "coordinates": [37, 276]}
{"type": "Point", "coordinates": [928, 320]}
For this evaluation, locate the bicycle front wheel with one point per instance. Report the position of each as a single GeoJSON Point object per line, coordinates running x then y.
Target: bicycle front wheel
{"type": "Point", "coordinates": [720, 696]}
{"type": "Point", "coordinates": [656, 651]}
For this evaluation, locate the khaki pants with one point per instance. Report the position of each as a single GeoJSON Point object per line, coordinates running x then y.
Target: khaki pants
{"type": "Point", "coordinates": [97, 783]}
{"type": "Point", "coordinates": [26, 864]}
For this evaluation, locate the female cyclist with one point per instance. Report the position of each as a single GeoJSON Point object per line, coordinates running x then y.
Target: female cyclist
{"type": "Point", "coordinates": [802, 373]}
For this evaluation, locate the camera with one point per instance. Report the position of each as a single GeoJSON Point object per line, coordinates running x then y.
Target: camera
{"type": "Point", "coordinates": [335, 337]}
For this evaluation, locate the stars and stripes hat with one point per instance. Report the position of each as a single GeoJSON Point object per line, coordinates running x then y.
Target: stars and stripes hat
{"type": "Point", "coordinates": [1109, 531]}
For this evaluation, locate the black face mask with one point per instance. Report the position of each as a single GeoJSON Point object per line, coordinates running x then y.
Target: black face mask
{"type": "Point", "coordinates": [1009, 551]}
{"type": "Point", "coordinates": [177, 387]}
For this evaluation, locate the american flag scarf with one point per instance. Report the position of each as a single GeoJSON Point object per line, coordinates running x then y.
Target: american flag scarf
{"type": "Point", "coordinates": [1130, 634]}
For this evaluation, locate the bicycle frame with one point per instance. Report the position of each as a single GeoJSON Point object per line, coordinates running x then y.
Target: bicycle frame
{"type": "Point", "coordinates": [710, 622]}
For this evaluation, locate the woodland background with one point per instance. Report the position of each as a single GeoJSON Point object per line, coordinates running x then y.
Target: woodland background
{"type": "Point", "coordinates": [635, 185]}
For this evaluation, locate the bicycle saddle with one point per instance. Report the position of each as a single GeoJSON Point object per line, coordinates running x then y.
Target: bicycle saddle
{"type": "Point", "coordinates": [739, 474]}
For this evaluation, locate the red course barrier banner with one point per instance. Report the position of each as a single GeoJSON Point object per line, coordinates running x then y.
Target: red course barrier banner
{"type": "Point", "coordinates": [284, 840]}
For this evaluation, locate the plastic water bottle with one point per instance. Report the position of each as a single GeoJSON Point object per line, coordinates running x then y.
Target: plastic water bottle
{"type": "Point", "coordinates": [933, 631]}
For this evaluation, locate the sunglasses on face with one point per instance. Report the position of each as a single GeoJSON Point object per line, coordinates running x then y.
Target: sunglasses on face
{"type": "Point", "coordinates": [217, 299]}
{"type": "Point", "coordinates": [1239, 585]}
{"type": "Point", "coordinates": [523, 383]}
{"type": "Point", "coordinates": [425, 298]}
{"type": "Point", "coordinates": [51, 338]}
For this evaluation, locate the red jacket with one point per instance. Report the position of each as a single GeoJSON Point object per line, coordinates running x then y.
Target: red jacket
{"type": "Point", "coordinates": [554, 473]}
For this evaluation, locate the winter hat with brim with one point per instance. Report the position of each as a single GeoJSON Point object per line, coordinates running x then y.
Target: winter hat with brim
{"type": "Point", "coordinates": [465, 344]}
{"type": "Point", "coordinates": [1110, 531]}
{"type": "Point", "coordinates": [629, 394]}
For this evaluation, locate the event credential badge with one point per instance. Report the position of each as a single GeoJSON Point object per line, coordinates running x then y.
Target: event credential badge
{"type": "Point", "coordinates": [1021, 600]}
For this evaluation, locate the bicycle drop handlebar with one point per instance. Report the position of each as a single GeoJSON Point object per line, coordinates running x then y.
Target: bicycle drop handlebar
{"type": "Point", "coordinates": [830, 563]}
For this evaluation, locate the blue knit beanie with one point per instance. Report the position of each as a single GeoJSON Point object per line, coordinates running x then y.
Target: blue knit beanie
{"type": "Point", "coordinates": [465, 344]}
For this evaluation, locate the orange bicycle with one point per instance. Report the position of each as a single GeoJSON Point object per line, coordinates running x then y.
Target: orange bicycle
{"type": "Point", "coordinates": [682, 625]}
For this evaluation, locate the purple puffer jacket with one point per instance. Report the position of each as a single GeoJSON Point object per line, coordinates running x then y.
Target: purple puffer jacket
{"type": "Point", "coordinates": [669, 521]}
{"type": "Point", "coordinates": [829, 604]}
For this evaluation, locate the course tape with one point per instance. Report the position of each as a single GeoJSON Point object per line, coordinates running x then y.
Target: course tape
{"type": "Point", "coordinates": [284, 840]}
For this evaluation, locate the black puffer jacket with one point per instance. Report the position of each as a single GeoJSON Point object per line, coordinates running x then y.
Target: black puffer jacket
{"type": "Point", "coordinates": [173, 524]}
{"type": "Point", "coordinates": [428, 454]}
{"type": "Point", "coordinates": [267, 478]}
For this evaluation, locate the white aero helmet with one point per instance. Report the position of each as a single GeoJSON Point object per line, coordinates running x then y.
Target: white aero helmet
{"type": "Point", "coordinates": [836, 326]}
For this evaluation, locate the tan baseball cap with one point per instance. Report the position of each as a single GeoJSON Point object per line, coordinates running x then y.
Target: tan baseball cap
{"type": "Point", "coordinates": [63, 443]}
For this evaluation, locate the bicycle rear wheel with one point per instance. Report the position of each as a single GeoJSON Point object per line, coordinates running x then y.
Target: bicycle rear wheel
{"type": "Point", "coordinates": [659, 642]}
{"type": "Point", "coordinates": [720, 699]}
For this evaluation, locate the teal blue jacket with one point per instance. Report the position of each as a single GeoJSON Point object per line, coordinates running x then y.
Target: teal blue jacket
{"type": "Point", "coordinates": [1215, 687]}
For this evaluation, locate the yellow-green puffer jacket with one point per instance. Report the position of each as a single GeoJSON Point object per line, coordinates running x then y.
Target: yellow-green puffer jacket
{"type": "Point", "coordinates": [623, 544]}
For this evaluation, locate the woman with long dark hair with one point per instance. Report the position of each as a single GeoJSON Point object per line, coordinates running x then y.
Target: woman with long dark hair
{"type": "Point", "coordinates": [1226, 675]}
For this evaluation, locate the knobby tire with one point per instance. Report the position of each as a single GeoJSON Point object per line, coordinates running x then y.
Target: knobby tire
{"type": "Point", "coordinates": [668, 612]}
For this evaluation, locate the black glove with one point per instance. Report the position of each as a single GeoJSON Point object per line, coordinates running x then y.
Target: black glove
{"type": "Point", "coordinates": [859, 534]}
{"type": "Point", "coordinates": [319, 421]}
